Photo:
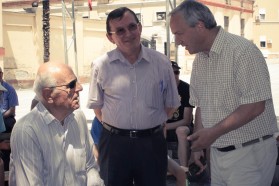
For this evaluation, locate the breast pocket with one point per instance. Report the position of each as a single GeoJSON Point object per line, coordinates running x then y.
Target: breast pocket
{"type": "Point", "coordinates": [154, 94]}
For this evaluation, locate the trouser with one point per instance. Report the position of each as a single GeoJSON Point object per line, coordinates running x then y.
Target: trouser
{"type": "Point", "coordinates": [127, 161]}
{"type": "Point", "coordinates": [9, 123]}
{"type": "Point", "coordinates": [250, 165]}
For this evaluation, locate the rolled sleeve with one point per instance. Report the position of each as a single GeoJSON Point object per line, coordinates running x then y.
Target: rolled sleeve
{"type": "Point", "coordinates": [95, 96]}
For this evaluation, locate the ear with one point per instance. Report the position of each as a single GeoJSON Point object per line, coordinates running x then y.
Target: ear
{"type": "Point", "coordinates": [46, 93]}
{"type": "Point", "coordinates": [109, 36]}
{"type": "Point", "coordinates": [200, 25]}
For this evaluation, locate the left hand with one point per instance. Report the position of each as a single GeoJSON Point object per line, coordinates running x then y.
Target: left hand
{"type": "Point", "coordinates": [202, 139]}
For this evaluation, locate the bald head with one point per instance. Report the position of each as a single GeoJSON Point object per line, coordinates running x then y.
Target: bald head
{"type": "Point", "coordinates": [50, 74]}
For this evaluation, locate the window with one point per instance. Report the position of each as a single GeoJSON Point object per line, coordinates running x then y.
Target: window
{"type": "Point", "coordinates": [262, 13]}
{"type": "Point", "coordinates": [228, 2]}
{"type": "Point", "coordinates": [263, 41]}
{"type": "Point", "coordinates": [161, 16]}
{"type": "Point", "coordinates": [242, 27]}
{"type": "Point", "coordinates": [226, 23]}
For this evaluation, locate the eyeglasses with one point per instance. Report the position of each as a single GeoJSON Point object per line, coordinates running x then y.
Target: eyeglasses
{"type": "Point", "coordinates": [70, 85]}
{"type": "Point", "coordinates": [177, 72]}
{"type": "Point", "coordinates": [121, 31]}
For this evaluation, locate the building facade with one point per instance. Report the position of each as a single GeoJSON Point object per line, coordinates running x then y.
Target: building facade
{"type": "Point", "coordinates": [22, 36]}
{"type": "Point", "coordinates": [266, 24]}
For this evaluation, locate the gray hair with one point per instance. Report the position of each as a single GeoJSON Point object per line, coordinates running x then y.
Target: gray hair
{"type": "Point", "coordinates": [42, 81]}
{"type": "Point", "coordinates": [193, 12]}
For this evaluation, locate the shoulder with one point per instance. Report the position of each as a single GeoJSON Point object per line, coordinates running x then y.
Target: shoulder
{"type": "Point", "coordinates": [240, 44]}
{"type": "Point", "coordinates": [8, 86]}
{"type": "Point", "coordinates": [155, 56]}
{"type": "Point", "coordinates": [25, 126]}
{"type": "Point", "coordinates": [79, 116]}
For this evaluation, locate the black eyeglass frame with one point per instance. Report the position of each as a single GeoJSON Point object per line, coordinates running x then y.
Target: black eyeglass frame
{"type": "Point", "coordinates": [70, 85]}
{"type": "Point", "coordinates": [121, 31]}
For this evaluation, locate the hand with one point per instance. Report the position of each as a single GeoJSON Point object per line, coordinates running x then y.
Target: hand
{"type": "Point", "coordinates": [5, 145]}
{"type": "Point", "coordinates": [196, 158]}
{"type": "Point", "coordinates": [202, 139]}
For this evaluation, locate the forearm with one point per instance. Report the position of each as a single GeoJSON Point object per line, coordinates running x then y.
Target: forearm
{"type": "Point", "coordinates": [98, 114]}
{"type": "Point", "coordinates": [174, 125]}
{"type": "Point", "coordinates": [169, 111]}
{"type": "Point", "coordinates": [241, 116]}
{"type": "Point", "coordinates": [9, 112]}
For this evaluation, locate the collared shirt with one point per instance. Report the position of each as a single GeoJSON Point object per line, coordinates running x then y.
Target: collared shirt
{"type": "Point", "coordinates": [232, 74]}
{"type": "Point", "coordinates": [10, 98]}
{"type": "Point", "coordinates": [46, 153]}
{"type": "Point", "coordinates": [133, 96]}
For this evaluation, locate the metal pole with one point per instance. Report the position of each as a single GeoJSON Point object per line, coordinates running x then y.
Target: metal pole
{"type": "Point", "coordinates": [64, 31]}
{"type": "Point", "coordinates": [167, 29]}
{"type": "Point", "coordinates": [74, 35]}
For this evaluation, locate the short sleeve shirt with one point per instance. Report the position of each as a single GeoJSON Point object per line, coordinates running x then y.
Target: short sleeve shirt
{"type": "Point", "coordinates": [233, 73]}
{"type": "Point", "coordinates": [133, 96]}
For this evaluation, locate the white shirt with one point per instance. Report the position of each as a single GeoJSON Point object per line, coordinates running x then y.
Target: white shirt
{"type": "Point", "coordinates": [46, 153]}
{"type": "Point", "coordinates": [133, 96]}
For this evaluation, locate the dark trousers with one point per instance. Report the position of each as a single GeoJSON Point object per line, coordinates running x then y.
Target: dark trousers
{"type": "Point", "coordinates": [126, 161]}
{"type": "Point", "coordinates": [9, 123]}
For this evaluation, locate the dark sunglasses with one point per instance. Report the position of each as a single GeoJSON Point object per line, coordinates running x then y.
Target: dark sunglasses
{"type": "Point", "coordinates": [121, 31]}
{"type": "Point", "coordinates": [70, 85]}
{"type": "Point", "coordinates": [177, 72]}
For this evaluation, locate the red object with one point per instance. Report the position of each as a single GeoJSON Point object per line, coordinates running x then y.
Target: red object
{"type": "Point", "coordinates": [90, 4]}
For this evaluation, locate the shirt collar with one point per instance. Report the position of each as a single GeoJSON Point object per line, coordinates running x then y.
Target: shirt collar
{"type": "Point", "coordinates": [48, 117]}
{"type": "Point", "coordinates": [116, 55]}
{"type": "Point", "coordinates": [219, 42]}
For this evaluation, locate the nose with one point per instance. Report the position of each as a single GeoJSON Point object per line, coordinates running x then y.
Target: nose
{"type": "Point", "coordinates": [79, 87]}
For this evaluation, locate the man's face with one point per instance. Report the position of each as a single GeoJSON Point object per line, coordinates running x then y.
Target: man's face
{"type": "Point", "coordinates": [66, 93]}
{"type": "Point", "coordinates": [185, 35]}
{"type": "Point", "coordinates": [125, 33]}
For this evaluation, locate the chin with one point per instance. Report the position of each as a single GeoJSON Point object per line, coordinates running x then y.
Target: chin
{"type": "Point", "coordinates": [76, 107]}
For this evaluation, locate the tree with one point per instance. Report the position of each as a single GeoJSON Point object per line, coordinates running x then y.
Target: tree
{"type": "Point", "coordinates": [46, 12]}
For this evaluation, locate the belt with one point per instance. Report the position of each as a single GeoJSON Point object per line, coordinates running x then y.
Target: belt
{"type": "Point", "coordinates": [132, 133]}
{"type": "Point", "coordinates": [233, 147]}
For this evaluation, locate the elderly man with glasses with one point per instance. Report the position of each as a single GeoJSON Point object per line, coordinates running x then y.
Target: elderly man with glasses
{"type": "Point", "coordinates": [133, 92]}
{"type": "Point", "coordinates": [51, 145]}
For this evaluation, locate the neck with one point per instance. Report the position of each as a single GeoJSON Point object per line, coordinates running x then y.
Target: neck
{"type": "Point", "coordinates": [58, 113]}
{"type": "Point", "coordinates": [132, 55]}
{"type": "Point", "coordinates": [210, 39]}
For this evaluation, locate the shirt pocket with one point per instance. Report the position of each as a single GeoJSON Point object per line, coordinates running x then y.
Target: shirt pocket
{"type": "Point", "coordinates": [154, 94]}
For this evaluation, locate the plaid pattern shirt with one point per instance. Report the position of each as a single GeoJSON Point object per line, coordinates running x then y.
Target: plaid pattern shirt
{"type": "Point", "coordinates": [232, 74]}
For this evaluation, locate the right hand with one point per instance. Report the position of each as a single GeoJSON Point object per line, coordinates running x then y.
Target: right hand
{"type": "Point", "coordinates": [196, 156]}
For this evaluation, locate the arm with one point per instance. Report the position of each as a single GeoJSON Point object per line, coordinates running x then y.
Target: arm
{"type": "Point", "coordinates": [9, 112]}
{"type": "Point", "coordinates": [203, 138]}
{"type": "Point", "coordinates": [169, 111]}
{"type": "Point", "coordinates": [26, 158]}
{"type": "Point", "coordinates": [98, 114]}
{"type": "Point", "coordinates": [187, 119]}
